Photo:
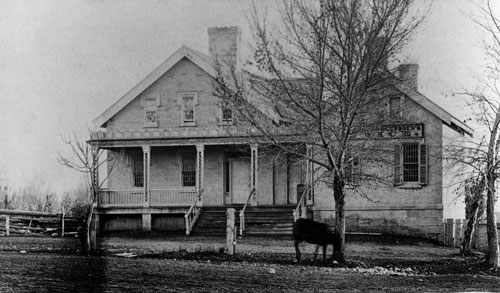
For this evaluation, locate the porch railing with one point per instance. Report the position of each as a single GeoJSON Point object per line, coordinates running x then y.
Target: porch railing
{"type": "Point", "coordinates": [172, 196]}
{"type": "Point", "coordinates": [242, 212]}
{"type": "Point", "coordinates": [193, 213]}
{"type": "Point", "coordinates": [134, 197]}
{"type": "Point", "coordinates": [121, 197]}
{"type": "Point", "coordinates": [301, 209]}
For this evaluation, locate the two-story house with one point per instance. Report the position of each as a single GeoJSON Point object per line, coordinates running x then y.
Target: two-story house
{"type": "Point", "coordinates": [187, 155]}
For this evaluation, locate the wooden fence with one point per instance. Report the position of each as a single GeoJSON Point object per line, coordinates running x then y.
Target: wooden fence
{"type": "Point", "coordinates": [453, 230]}
{"type": "Point", "coordinates": [38, 224]}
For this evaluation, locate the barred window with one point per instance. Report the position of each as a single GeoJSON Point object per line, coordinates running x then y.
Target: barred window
{"type": "Point", "coordinates": [410, 163]}
{"type": "Point", "coordinates": [188, 170]}
{"type": "Point", "coordinates": [138, 172]}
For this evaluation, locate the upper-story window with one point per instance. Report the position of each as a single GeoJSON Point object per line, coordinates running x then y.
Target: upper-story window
{"type": "Point", "coordinates": [352, 171]}
{"type": "Point", "coordinates": [227, 115]}
{"type": "Point", "coordinates": [395, 107]}
{"type": "Point", "coordinates": [151, 104]}
{"type": "Point", "coordinates": [188, 102]}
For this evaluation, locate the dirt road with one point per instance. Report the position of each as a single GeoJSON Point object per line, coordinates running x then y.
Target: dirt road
{"type": "Point", "coordinates": [71, 273]}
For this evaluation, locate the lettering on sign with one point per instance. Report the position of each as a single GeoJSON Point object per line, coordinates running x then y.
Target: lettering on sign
{"type": "Point", "coordinates": [400, 131]}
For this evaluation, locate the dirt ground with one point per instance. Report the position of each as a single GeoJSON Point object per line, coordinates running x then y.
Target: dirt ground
{"type": "Point", "coordinates": [173, 263]}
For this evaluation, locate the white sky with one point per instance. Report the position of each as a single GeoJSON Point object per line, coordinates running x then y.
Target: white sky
{"type": "Point", "coordinates": [62, 63]}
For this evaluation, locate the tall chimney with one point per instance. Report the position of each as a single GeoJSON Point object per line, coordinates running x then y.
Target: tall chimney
{"type": "Point", "coordinates": [224, 44]}
{"type": "Point", "coordinates": [408, 74]}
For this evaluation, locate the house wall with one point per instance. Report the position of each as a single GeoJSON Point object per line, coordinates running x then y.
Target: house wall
{"type": "Point", "coordinates": [384, 208]}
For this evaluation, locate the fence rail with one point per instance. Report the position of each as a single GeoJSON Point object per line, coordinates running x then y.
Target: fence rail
{"type": "Point", "coordinates": [30, 223]}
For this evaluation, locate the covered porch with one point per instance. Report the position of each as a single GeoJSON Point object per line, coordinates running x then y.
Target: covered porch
{"type": "Point", "coordinates": [180, 179]}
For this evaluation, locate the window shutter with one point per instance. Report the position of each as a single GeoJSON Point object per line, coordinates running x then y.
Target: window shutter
{"type": "Point", "coordinates": [423, 169]}
{"type": "Point", "coordinates": [398, 170]}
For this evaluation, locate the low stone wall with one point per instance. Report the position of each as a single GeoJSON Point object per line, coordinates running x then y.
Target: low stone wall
{"type": "Point", "coordinates": [422, 221]}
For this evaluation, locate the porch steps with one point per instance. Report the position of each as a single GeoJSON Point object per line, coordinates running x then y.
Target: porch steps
{"type": "Point", "coordinates": [259, 221]}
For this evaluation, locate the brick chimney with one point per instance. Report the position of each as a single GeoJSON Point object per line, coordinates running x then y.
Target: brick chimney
{"type": "Point", "coordinates": [408, 74]}
{"type": "Point", "coordinates": [224, 44]}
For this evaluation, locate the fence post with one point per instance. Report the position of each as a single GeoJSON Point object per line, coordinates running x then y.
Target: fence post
{"type": "Point", "coordinates": [458, 233]}
{"type": "Point", "coordinates": [7, 225]}
{"type": "Point", "coordinates": [449, 232]}
{"type": "Point", "coordinates": [62, 222]}
{"type": "Point", "coordinates": [230, 243]}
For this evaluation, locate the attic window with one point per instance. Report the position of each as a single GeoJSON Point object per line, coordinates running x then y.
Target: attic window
{"type": "Point", "coordinates": [188, 102]}
{"type": "Point", "coordinates": [395, 107]}
{"type": "Point", "coordinates": [151, 104]}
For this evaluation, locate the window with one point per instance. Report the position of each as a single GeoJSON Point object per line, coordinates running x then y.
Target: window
{"type": "Point", "coordinates": [188, 172]}
{"type": "Point", "coordinates": [138, 173]}
{"type": "Point", "coordinates": [188, 102]}
{"type": "Point", "coordinates": [395, 107]}
{"type": "Point", "coordinates": [151, 104]}
{"type": "Point", "coordinates": [410, 163]}
{"type": "Point", "coordinates": [5, 187]}
{"type": "Point", "coordinates": [227, 115]}
{"type": "Point", "coordinates": [352, 171]}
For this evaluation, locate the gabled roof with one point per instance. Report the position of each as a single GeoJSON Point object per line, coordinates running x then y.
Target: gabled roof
{"type": "Point", "coordinates": [448, 119]}
{"type": "Point", "coordinates": [201, 60]}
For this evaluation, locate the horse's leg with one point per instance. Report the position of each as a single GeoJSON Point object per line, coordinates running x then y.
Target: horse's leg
{"type": "Point", "coordinates": [297, 251]}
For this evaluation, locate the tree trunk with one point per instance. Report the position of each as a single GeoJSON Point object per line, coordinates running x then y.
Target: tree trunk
{"type": "Point", "coordinates": [474, 192]}
{"type": "Point", "coordinates": [339, 245]}
{"type": "Point", "coordinates": [471, 218]}
{"type": "Point", "coordinates": [491, 225]}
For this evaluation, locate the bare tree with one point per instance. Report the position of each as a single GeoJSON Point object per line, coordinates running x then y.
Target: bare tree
{"type": "Point", "coordinates": [322, 75]}
{"type": "Point", "coordinates": [88, 159]}
{"type": "Point", "coordinates": [482, 156]}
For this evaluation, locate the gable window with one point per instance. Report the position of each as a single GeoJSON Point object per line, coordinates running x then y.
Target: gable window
{"type": "Point", "coordinates": [138, 172]}
{"type": "Point", "coordinates": [188, 171]}
{"type": "Point", "coordinates": [395, 107]}
{"type": "Point", "coordinates": [188, 102]}
{"type": "Point", "coordinates": [410, 164]}
{"type": "Point", "coordinates": [151, 104]}
{"type": "Point", "coordinates": [227, 115]}
{"type": "Point", "coordinates": [352, 171]}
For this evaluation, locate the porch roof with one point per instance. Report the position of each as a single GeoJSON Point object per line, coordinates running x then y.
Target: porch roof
{"type": "Point", "coordinates": [183, 141]}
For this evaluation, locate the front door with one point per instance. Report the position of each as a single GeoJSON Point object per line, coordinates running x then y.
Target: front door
{"type": "Point", "coordinates": [240, 181]}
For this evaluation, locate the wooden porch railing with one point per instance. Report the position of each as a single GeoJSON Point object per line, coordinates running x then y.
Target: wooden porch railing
{"type": "Point", "coordinates": [193, 213]}
{"type": "Point", "coordinates": [301, 209]}
{"type": "Point", "coordinates": [172, 196]}
{"type": "Point", "coordinates": [134, 197]}
{"type": "Point", "coordinates": [121, 197]}
{"type": "Point", "coordinates": [242, 212]}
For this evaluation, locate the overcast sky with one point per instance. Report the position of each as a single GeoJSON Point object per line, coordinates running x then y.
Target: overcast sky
{"type": "Point", "coordinates": [62, 63]}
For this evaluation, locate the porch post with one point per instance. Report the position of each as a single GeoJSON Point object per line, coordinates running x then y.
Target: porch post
{"type": "Point", "coordinates": [200, 169]}
{"type": "Point", "coordinates": [146, 215]}
{"type": "Point", "coordinates": [309, 174]}
{"type": "Point", "coordinates": [254, 163]}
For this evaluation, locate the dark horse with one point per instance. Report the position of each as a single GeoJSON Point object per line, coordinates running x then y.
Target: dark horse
{"type": "Point", "coordinates": [312, 232]}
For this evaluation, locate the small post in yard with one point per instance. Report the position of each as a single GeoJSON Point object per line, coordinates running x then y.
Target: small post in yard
{"type": "Point", "coordinates": [62, 222]}
{"type": "Point", "coordinates": [230, 240]}
{"type": "Point", "coordinates": [449, 232]}
{"type": "Point", "coordinates": [7, 225]}
{"type": "Point", "coordinates": [458, 233]}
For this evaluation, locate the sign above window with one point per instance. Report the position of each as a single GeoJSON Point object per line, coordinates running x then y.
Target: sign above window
{"type": "Point", "coordinates": [399, 131]}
